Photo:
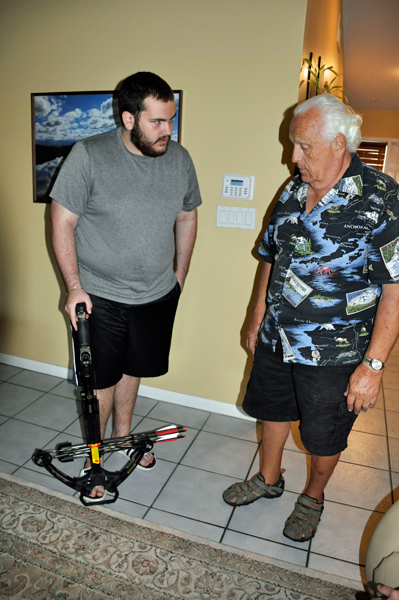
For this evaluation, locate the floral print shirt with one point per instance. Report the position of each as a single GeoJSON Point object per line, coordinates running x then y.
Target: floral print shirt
{"type": "Point", "coordinates": [329, 266]}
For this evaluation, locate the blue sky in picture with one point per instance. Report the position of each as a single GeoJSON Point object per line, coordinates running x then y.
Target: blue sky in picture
{"type": "Point", "coordinates": [63, 119]}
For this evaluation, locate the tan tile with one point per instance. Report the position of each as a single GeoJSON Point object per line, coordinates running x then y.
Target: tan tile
{"type": "Point", "coordinates": [362, 487]}
{"type": "Point", "coordinates": [393, 423]}
{"type": "Point", "coordinates": [366, 449]}
{"type": "Point", "coordinates": [391, 399]}
{"type": "Point", "coordinates": [391, 379]}
{"type": "Point", "coordinates": [373, 421]}
{"type": "Point", "coordinates": [394, 454]}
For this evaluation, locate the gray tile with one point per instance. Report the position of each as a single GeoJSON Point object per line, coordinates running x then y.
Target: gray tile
{"type": "Point", "coordinates": [36, 381]}
{"type": "Point", "coordinates": [366, 449]}
{"type": "Point", "coordinates": [362, 487]}
{"type": "Point", "coordinates": [289, 554]}
{"type": "Point", "coordinates": [294, 439]}
{"type": "Point", "coordinates": [67, 389]}
{"type": "Point", "coordinates": [179, 415]}
{"type": "Point", "coordinates": [7, 371]}
{"type": "Point", "coordinates": [70, 468]}
{"type": "Point", "coordinates": [391, 399]}
{"type": "Point", "coordinates": [336, 567]}
{"type": "Point", "coordinates": [393, 423]}
{"type": "Point", "coordinates": [233, 427]}
{"type": "Point", "coordinates": [14, 398]}
{"type": "Point", "coordinates": [394, 454]}
{"type": "Point", "coordinates": [173, 450]}
{"type": "Point", "coordinates": [43, 478]}
{"type": "Point", "coordinates": [344, 532]}
{"type": "Point", "coordinates": [209, 532]}
{"type": "Point", "coordinates": [18, 440]}
{"type": "Point", "coordinates": [141, 486]}
{"type": "Point", "coordinates": [6, 467]}
{"type": "Point", "coordinates": [144, 405]}
{"type": "Point", "coordinates": [128, 508]}
{"type": "Point", "coordinates": [221, 454]}
{"type": "Point", "coordinates": [265, 519]}
{"type": "Point", "coordinates": [373, 421]}
{"type": "Point", "coordinates": [196, 494]}
{"type": "Point", "coordinates": [3, 419]}
{"type": "Point", "coordinates": [50, 411]}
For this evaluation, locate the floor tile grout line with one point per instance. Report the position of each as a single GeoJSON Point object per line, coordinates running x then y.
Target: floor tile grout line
{"type": "Point", "coordinates": [388, 448]}
{"type": "Point", "coordinates": [245, 479]}
{"type": "Point", "coordinates": [177, 464]}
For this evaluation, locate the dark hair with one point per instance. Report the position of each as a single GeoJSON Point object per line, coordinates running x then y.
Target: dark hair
{"type": "Point", "coordinates": [136, 88]}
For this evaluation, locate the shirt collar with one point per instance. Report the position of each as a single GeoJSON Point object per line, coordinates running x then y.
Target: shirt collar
{"type": "Point", "coordinates": [350, 184]}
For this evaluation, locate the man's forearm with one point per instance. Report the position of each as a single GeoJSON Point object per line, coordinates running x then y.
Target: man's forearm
{"type": "Point", "coordinates": [64, 246]}
{"type": "Point", "coordinates": [364, 383]}
{"type": "Point", "coordinates": [259, 308]}
{"type": "Point", "coordinates": [186, 233]}
{"type": "Point", "coordinates": [386, 324]}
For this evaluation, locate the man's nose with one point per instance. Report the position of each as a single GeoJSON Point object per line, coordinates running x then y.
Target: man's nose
{"type": "Point", "coordinates": [295, 155]}
{"type": "Point", "coordinates": [167, 128]}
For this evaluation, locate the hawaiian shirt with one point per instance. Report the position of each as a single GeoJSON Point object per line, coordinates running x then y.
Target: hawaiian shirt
{"type": "Point", "coordinates": [329, 266]}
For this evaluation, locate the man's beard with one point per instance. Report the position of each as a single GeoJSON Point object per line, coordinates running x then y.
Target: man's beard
{"type": "Point", "coordinates": [144, 144]}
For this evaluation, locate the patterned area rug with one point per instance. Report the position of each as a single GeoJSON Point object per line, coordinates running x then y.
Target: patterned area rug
{"type": "Point", "coordinates": [52, 547]}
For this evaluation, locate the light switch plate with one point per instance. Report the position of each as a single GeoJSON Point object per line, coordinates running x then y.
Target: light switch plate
{"type": "Point", "coordinates": [235, 217]}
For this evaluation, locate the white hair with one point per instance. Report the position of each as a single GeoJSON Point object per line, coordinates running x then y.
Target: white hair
{"type": "Point", "coordinates": [337, 118]}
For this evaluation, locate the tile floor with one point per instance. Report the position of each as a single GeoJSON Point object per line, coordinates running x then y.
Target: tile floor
{"type": "Point", "coordinates": [184, 491]}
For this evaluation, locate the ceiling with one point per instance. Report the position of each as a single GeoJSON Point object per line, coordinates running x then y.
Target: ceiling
{"type": "Point", "coordinates": [371, 53]}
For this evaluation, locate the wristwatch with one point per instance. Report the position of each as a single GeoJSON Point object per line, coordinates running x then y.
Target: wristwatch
{"type": "Point", "coordinates": [374, 363]}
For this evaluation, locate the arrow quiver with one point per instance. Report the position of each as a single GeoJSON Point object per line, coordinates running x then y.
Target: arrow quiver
{"type": "Point", "coordinates": [95, 448]}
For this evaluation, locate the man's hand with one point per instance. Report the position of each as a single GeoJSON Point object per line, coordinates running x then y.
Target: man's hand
{"type": "Point", "coordinates": [73, 298]}
{"type": "Point", "coordinates": [181, 278]}
{"type": "Point", "coordinates": [388, 592]}
{"type": "Point", "coordinates": [363, 387]}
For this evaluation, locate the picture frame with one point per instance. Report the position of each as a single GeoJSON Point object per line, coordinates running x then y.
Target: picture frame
{"type": "Point", "coordinates": [60, 119]}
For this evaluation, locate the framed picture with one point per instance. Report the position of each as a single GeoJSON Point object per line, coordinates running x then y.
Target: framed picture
{"type": "Point", "coordinates": [59, 120]}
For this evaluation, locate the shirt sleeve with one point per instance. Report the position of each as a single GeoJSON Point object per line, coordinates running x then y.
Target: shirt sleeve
{"type": "Point", "coordinates": [383, 251]}
{"type": "Point", "coordinates": [72, 186]}
{"type": "Point", "coordinates": [192, 199]}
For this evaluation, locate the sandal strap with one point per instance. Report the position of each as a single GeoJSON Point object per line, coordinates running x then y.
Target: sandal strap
{"type": "Point", "coordinates": [304, 519]}
{"type": "Point", "coordinates": [252, 489]}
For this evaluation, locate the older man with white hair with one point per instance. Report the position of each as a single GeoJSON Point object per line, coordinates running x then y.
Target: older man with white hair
{"type": "Point", "coordinates": [327, 310]}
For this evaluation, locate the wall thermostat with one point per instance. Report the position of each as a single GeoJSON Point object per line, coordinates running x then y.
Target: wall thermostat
{"type": "Point", "coordinates": [239, 187]}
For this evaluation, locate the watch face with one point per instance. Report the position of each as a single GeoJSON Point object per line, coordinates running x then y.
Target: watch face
{"type": "Point", "coordinates": [376, 364]}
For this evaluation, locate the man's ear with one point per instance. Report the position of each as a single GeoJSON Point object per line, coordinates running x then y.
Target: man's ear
{"type": "Point", "coordinates": [128, 120]}
{"type": "Point", "coordinates": [340, 144]}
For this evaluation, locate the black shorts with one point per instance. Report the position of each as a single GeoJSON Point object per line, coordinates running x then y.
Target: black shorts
{"type": "Point", "coordinates": [282, 392]}
{"type": "Point", "coordinates": [131, 339]}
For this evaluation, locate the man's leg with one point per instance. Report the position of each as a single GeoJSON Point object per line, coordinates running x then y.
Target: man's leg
{"type": "Point", "coordinates": [121, 398]}
{"type": "Point", "coordinates": [274, 436]}
{"type": "Point", "coordinates": [322, 467]}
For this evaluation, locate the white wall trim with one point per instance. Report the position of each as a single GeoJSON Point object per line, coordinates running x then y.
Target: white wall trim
{"type": "Point", "coordinates": [221, 408]}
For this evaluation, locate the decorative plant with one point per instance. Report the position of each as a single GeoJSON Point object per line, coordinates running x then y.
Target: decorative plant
{"type": "Point", "coordinates": [317, 79]}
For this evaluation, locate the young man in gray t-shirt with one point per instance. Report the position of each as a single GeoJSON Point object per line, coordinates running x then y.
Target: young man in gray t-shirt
{"type": "Point", "coordinates": [124, 210]}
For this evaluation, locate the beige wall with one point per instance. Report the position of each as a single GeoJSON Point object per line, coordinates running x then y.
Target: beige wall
{"type": "Point", "coordinates": [380, 123]}
{"type": "Point", "coordinates": [322, 18]}
{"type": "Point", "coordinates": [238, 65]}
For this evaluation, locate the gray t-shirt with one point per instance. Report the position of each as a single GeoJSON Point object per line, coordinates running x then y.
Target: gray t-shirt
{"type": "Point", "coordinates": [127, 206]}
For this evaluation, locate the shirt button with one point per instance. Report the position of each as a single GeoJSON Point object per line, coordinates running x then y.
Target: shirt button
{"type": "Point", "coordinates": [296, 254]}
{"type": "Point", "coordinates": [288, 278]}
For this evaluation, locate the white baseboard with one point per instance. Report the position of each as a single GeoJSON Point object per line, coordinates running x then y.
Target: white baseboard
{"type": "Point", "coordinates": [214, 406]}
